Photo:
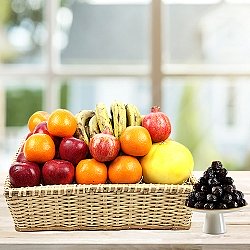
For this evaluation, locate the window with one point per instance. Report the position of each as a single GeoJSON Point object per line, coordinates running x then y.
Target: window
{"type": "Point", "coordinates": [189, 57]}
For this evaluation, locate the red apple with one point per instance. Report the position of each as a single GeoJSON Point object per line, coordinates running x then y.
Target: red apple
{"type": "Point", "coordinates": [24, 174]}
{"type": "Point", "coordinates": [57, 140]}
{"type": "Point", "coordinates": [41, 128]}
{"type": "Point", "coordinates": [73, 150]}
{"type": "Point", "coordinates": [104, 147]}
{"type": "Point", "coordinates": [58, 172]}
{"type": "Point", "coordinates": [28, 135]}
{"type": "Point", "coordinates": [21, 150]}
{"type": "Point", "coordinates": [21, 157]}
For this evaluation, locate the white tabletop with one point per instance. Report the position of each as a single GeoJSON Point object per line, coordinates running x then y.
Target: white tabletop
{"type": "Point", "coordinates": [236, 237]}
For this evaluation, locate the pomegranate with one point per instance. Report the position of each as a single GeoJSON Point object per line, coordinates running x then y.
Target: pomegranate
{"type": "Point", "coordinates": [158, 125]}
{"type": "Point", "coordinates": [104, 146]}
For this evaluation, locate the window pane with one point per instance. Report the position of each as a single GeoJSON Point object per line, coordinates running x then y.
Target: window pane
{"type": "Point", "coordinates": [209, 116]}
{"type": "Point", "coordinates": [22, 31]}
{"type": "Point", "coordinates": [206, 33]}
{"type": "Point", "coordinates": [78, 94]}
{"type": "Point", "coordinates": [96, 32]}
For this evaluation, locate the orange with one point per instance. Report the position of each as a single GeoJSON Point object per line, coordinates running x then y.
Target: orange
{"type": "Point", "coordinates": [125, 169]}
{"type": "Point", "coordinates": [39, 148]}
{"type": "Point", "coordinates": [62, 123]}
{"type": "Point", "coordinates": [37, 118]}
{"type": "Point", "coordinates": [135, 141]}
{"type": "Point", "coordinates": [90, 171]}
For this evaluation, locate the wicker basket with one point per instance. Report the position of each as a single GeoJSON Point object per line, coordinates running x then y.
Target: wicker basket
{"type": "Point", "coordinates": [99, 207]}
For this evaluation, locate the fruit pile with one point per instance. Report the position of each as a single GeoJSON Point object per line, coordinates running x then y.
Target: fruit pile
{"type": "Point", "coordinates": [98, 146]}
{"type": "Point", "coordinates": [215, 190]}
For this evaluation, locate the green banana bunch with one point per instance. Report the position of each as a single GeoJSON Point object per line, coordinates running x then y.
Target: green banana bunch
{"type": "Point", "coordinates": [82, 130]}
{"type": "Point", "coordinates": [134, 117]}
{"type": "Point", "coordinates": [93, 127]}
{"type": "Point", "coordinates": [91, 122]}
{"type": "Point", "coordinates": [119, 117]}
{"type": "Point", "coordinates": [102, 117]}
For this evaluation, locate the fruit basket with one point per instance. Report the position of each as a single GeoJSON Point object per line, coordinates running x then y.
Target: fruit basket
{"type": "Point", "coordinates": [99, 207]}
{"type": "Point", "coordinates": [66, 153]}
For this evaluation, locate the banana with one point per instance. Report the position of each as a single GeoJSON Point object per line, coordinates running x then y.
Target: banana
{"type": "Point", "coordinates": [102, 117]}
{"type": "Point", "coordinates": [133, 115]}
{"type": "Point", "coordinates": [93, 127]}
{"type": "Point", "coordinates": [83, 118]}
{"type": "Point", "coordinates": [118, 114]}
{"type": "Point", "coordinates": [91, 122]}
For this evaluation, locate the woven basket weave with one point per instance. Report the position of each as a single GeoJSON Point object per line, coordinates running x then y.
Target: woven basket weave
{"type": "Point", "coordinates": [99, 207]}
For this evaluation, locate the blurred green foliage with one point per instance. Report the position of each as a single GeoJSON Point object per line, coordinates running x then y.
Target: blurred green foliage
{"type": "Point", "coordinates": [191, 133]}
{"type": "Point", "coordinates": [21, 103]}
{"type": "Point", "coordinates": [188, 130]}
{"type": "Point", "coordinates": [64, 96]}
{"type": "Point", "coordinates": [5, 11]}
{"type": "Point", "coordinates": [11, 18]}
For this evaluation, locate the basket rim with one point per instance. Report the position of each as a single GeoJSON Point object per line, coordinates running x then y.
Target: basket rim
{"type": "Point", "coordinates": [41, 190]}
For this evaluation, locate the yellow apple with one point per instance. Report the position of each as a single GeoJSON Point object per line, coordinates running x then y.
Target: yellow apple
{"type": "Point", "coordinates": [167, 162]}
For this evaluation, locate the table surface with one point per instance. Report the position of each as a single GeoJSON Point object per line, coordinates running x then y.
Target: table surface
{"type": "Point", "coordinates": [236, 237]}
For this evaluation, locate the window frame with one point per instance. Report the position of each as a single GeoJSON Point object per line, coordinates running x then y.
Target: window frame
{"type": "Point", "coordinates": [156, 70]}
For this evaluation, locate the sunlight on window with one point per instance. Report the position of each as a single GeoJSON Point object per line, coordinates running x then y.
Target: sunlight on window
{"type": "Point", "coordinates": [22, 31]}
